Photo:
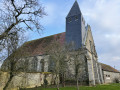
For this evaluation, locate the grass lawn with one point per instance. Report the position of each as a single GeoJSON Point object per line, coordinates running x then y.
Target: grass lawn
{"type": "Point", "coordinates": [98, 87]}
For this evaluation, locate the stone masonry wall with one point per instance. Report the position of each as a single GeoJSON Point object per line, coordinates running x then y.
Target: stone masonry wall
{"type": "Point", "coordinates": [83, 69]}
{"type": "Point", "coordinates": [26, 80]}
{"type": "Point", "coordinates": [29, 64]}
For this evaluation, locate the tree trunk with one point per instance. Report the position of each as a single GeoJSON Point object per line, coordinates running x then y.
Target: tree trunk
{"type": "Point", "coordinates": [63, 80]}
{"type": "Point", "coordinates": [9, 80]}
{"type": "Point", "coordinates": [57, 87]}
{"type": "Point", "coordinates": [11, 74]}
{"type": "Point", "coordinates": [57, 83]}
{"type": "Point", "coordinates": [77, 83]}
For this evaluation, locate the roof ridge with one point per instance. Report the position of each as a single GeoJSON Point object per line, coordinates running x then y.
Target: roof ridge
{"type": "Point", "coordinates": [43, 37]}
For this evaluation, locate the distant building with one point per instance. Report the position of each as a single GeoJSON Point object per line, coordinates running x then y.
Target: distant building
{"type": "Point", "coordinates": [110, 74]}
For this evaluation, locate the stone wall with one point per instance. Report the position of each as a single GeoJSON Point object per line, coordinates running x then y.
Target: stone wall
{"type": "Point", "coordinates": [3, 79]}
{"type": "Point", "coordinates": [100, 73]}
{"type": "Point", "coordinates": [28, 64]}
{"type": "Point", "coordinates": [94, 69]}
{"type": "Point", "coordinates": [83, 67]}
{"type": "Point", "coordinates": [26, 80]}
{"type": "Point", "coordinates": [109, 77]}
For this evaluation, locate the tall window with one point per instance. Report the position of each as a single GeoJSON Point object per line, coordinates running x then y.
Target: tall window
{"type": "Point", "coordinates": [34, 64]}
{"type": "Point", "coordinates": [42, 65]}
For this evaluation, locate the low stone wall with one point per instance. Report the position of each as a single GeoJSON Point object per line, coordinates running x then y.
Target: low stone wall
{"type": "Point", "coordinates": [26, 80]}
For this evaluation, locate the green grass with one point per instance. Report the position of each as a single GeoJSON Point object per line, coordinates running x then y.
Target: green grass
{"type": "Point", "coordinates": [98, 87]}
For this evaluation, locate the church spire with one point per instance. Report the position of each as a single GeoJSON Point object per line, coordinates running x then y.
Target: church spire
{"type": "Point", "coordinates": [75, 10]}
{"type": "Point", "coordinates": [75, 27]}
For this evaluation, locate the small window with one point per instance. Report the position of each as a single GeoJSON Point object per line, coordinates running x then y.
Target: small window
{"type": "Point", "coordinates": [76, 18]}
{"type": "Point", "coordinates": [69, 20]}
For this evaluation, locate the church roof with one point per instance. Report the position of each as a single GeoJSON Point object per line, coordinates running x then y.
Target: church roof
{"type": "Point", "coordinates": [108, 68]}
{"type": "Point", "coordinates": [75, 10]}
{"type": "Point", "coordinates": [39, 46]}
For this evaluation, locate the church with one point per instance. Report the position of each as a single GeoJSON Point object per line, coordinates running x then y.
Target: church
{"type": "Point", "coordinates": [92, 72]}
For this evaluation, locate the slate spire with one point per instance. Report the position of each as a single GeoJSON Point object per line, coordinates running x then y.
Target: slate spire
{"type": "Point", "coordinates": [75, 10]}
{"type": "Point", "coordinates": [75, 26]}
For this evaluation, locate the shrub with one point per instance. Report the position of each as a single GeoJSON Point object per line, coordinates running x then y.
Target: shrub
{"type": "Point", "coordinates": [116, 80]}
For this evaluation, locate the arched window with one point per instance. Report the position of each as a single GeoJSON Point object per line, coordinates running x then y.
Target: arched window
{"type": "Point", "coordinates": [34, 63]}
{"type": "Point", "coordinates": [42, 65]}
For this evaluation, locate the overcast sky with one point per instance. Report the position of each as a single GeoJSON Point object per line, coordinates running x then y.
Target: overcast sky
{"type": "Point", "coordinates": [102, 15]}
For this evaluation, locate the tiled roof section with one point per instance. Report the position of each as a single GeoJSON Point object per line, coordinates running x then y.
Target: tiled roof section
{"type": "Point", "coordinates": [38, 47]}
{"type": "Point", "coordinates": [108, 68]}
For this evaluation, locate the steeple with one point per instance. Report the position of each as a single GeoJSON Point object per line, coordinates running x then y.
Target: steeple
{"type": "Point", "coordinates": [75, 26]}
{"type": "Point", "coordinates": [75, 10]}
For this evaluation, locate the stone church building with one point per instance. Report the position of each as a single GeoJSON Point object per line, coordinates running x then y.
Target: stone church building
{"type": "Point", "coordinates": [93, 72]}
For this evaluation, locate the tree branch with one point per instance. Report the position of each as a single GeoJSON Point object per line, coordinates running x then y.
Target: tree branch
{"type": "Point", "coordinates": [7, 31]}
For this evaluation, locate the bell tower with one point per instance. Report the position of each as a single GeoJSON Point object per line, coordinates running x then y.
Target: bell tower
{"type": "Point", "coordinates": [75, 26]}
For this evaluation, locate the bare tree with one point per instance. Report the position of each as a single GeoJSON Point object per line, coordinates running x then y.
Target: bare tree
{"type": "Point", "coordinates": [11, 47]}
{"type": "Point", "coordinates": [58, 54]}
{"type": "Point", "coordinates": [16, 17]}
{"type": "Point", "coordinates": [77, 58]}
{"type": "Point", "coordinates": [61, 55]}
{"type": "Point", "coordinates": [19, 15]}
{"type": "Point", "coordinates": [10, 64]}
{"type": "Point", "coordinates": [78, 63]}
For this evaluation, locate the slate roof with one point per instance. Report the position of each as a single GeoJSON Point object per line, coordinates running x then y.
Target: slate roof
{"type": "Point", "coordinates": [108, 68]}
{"type": "Point", "coordinates": [75, 10]}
